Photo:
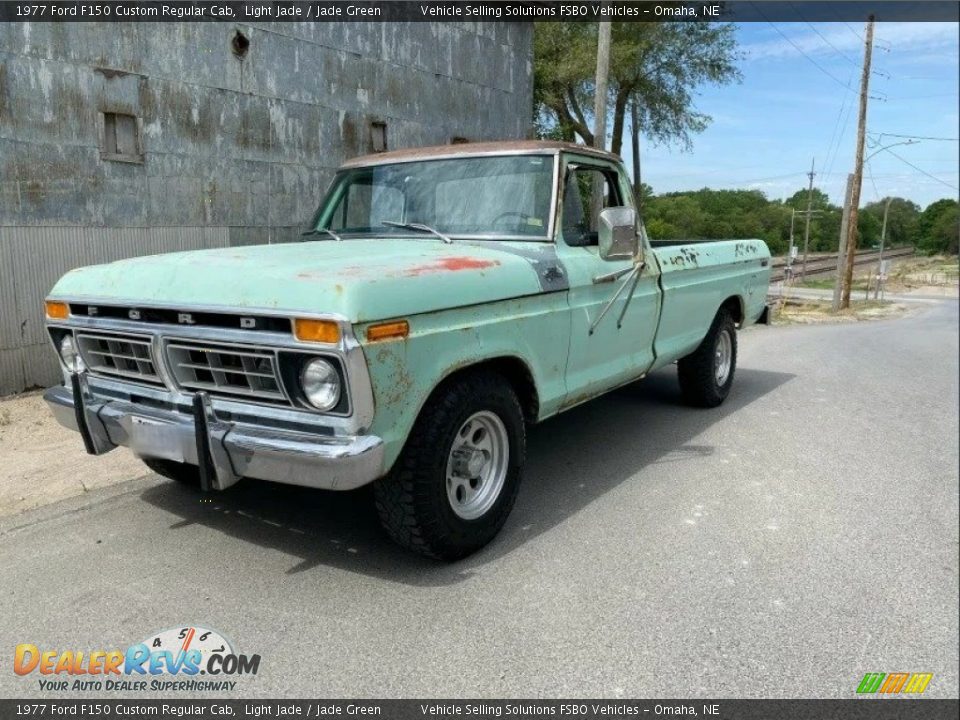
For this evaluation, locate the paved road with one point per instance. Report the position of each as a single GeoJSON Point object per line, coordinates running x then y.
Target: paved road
{"type": "Point", "coordinates": [785, 544]}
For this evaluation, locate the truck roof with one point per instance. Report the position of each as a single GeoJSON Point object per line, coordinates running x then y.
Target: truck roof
{"type": "Point", "coordinates": [509, 147]}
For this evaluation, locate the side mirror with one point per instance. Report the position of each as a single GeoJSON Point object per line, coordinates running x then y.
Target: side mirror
{"type": "Point", "coordinates": [617, 234]}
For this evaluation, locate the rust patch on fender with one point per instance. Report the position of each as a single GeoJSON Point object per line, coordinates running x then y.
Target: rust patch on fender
{"type": "Point", "coordinates": [451, 264]}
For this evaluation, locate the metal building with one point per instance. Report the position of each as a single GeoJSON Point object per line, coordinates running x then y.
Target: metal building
{"type": "Point", "coordinates": [136, 138]}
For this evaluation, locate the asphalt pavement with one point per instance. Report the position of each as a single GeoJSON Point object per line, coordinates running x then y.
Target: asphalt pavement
{"type": "Point", "coordinates": [782, 545]}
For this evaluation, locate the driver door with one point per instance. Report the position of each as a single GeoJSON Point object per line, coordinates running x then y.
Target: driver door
{"type": "Point", "coordinates": [610, 355]}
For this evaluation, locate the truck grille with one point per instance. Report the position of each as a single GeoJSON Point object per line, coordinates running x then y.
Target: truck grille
{"type": "Point", "coordinates": [124, 356]}
{"type": "Point", "coordinates": [226, 371]}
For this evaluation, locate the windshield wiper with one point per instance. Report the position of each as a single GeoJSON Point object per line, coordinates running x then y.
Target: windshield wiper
{"type": "Point", "coordinates": [417, 226]}
{"type": "Point", "coordinates": [317, 231]}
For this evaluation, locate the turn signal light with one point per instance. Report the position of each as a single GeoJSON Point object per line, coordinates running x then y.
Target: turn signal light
{"type": "Point", "coordinates": [324, 331]}
{"type": "Point", "coordinates": [57, 310]}
{"type": "Point", "coordinates": [388, 330]}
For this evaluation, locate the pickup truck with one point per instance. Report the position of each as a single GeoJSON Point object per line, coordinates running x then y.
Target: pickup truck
{"type": "Point", "coordinates": [441, 301]}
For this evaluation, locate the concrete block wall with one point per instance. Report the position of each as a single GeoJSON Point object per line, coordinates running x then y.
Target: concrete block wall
{"type": "Point", "coordinates": [234, 151]}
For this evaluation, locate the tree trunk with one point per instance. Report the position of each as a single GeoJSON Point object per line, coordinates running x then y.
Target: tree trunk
{"type": "Point", "coordinates": [635, 147]}
{"type": "Point", "coordinates": [619, 111]}
{"type": "Point", "coordinates": [569, 123]}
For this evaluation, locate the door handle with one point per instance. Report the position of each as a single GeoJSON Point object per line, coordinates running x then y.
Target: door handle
{"type": "Point", "coordinates": [611, 276]}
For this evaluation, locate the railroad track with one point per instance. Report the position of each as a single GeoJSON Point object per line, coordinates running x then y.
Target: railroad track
{"type": "Point", "coordinates": [827, 263]}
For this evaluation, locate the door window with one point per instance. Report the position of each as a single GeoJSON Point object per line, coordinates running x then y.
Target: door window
{"type": "Point", "coordinates": [587, 191]}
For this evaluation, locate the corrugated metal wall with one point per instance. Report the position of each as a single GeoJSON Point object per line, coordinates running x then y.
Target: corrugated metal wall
{"type": "Point", "coordinates": [234, 151]}
{"type": "Point", "coordinates": [31, 261]}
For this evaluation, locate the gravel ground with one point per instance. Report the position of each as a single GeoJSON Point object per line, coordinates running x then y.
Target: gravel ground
{"type": "Point", "coordinates": [42, 462]}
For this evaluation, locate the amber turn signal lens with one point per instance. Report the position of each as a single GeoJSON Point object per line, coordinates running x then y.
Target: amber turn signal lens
{"type": "Point", "coordinates": [57, 310]}
{"type": "Point", "coordinates": [325, 331]}
{"type": "Point", "coordinates": [388, 331]}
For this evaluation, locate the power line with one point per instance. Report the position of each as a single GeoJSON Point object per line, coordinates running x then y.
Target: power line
{"type": "Point", "coordinates": [835, 48]}
{"type": "Point", "coordinates": [800, 50]}
{"type": "Point", "coordinates": [872, 181]}
{"type": "Point", "coordinates": [836, 126]}
{"type": "Point", "coordinates": [915, 137]}
{"type": "Point", "coordinates": [815, 63]}
{"type": "Point", "coordinates": [859, 36]}
{"type": "Point", "coordinates": [836, 150]}
{"type": "Point", "coordinates": [922, 171]}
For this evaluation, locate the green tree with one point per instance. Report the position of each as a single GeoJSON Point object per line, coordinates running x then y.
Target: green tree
{"type": "Point", "coordinates": [938, 227]}
{"type": "Point", "coordinates": [902, 220]}
{"type": "Point", "coordinates": [655, 69]}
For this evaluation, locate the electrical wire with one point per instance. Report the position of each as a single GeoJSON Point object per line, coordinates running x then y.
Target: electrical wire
{"type": "Point", "coordinates": [914, 137]}
{"type": "Point", "coordinates": [923, 172]}
{"type": "Point", "coordinates": [800, 50]}
{"type": "Point", "coordinates": [835, 48]}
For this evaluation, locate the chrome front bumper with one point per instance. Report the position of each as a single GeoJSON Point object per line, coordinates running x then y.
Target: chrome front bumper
{"type": "Point", "coordinates": [224, 451]}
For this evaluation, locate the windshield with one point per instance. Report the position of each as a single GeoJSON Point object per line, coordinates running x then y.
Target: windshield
{"type": "Point", "coordinates": [507, 197]}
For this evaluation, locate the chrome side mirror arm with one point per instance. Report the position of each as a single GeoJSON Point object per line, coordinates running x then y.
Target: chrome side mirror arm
{"type": "Point", "coordinates": [632, 277]}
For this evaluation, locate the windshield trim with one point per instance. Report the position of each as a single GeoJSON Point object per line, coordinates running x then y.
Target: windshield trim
{"type": "Point", "coordinates": [549, 236]}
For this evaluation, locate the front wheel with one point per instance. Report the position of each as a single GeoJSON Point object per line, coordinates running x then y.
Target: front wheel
{"type": "Point", "coordinates": [456, 480]}
{"type": "Point", "coordinates": [706, 374]}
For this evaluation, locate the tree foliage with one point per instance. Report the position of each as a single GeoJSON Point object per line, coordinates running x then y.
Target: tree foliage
{"type": "Point", "coordinates": [657, 66]}
{"type": "Point", "coordinates": [717, 214]}
{"type": "Point", "coordinates": [938, 227]}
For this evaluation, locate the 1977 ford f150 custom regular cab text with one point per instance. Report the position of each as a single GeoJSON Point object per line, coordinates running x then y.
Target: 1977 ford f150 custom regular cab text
{"type": "Point", "coordinates": [442, 300]}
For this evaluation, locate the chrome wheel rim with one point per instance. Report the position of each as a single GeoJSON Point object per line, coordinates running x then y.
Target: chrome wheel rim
{"type": "Point", "coordinates": [723, 357]}
{"type": "Point", "coordinates": [477, 465]}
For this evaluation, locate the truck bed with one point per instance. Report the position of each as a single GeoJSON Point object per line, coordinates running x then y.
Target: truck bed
{"type": "Point", "coordinates": [700, 275]}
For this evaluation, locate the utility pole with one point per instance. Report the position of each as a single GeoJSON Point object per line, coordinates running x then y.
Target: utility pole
{"type": "Point", "coordinates": [793, 217]}
{"type": "Point", "coordinates": [806, 230]}
{"type": "Point", "coordinates": [842, 251]}
{"type": "Point", "coordinates": [851, 239]}
{"type": "Point", "coordinates": [600, 109]}
{"type": "Point", "coordinates": [883, 238]}
{"type": "Point", "coordinates": [600, 94]}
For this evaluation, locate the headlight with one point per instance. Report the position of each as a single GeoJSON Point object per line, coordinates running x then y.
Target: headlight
{"type": "Point", "coordinates": [321, 384]}
{"type": "Point", "coordinates": [70, 355]}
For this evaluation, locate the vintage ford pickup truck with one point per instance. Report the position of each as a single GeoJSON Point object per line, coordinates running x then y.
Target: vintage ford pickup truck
{"type": "Point", "coordinates": [442, 300]}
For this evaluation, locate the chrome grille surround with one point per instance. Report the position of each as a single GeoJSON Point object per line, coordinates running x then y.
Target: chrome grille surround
{"type": "Point", "coordinates": [241, 372]}
{"type": "Point", "coordinates": [129, 357]}
{"type": "Point", "coordinates": [358, 388]}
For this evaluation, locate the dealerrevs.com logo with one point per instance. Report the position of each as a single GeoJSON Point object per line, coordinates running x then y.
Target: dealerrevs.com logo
{"type": "Point", "coordinates": [190, 658]}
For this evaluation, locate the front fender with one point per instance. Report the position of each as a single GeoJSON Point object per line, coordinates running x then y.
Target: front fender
{"type": "Point", "coordinates": [403, 372]}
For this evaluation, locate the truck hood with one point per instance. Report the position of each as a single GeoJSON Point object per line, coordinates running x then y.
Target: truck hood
{"type": "Point", "coordinates": [361, 280]}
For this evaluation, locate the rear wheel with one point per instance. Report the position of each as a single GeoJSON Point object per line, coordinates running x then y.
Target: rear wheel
{"type": "Point", "coordinates": [455, 482]}
{"type": "Point", "coordinates": [181, 472]}
{"type": "Point", "coordinates": [706, 374]}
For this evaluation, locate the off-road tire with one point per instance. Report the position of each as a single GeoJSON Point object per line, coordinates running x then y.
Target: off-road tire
{"type": "Point", "coordinates": [181, 472]}
{"type": "Point", "coordinates": [412, 499]}
{"type": "Point", "coordinates": [697, 371]}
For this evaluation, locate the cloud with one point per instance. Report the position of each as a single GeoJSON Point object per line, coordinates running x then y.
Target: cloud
{"type": "Point", "coordinates": [899, 37]}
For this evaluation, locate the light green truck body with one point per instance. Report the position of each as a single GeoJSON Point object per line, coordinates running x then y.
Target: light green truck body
{"type": "Point", "coordinates": [539, 311]}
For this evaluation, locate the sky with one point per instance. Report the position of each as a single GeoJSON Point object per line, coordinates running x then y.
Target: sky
{"type": "Point", "coordinates": [794, 106]}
